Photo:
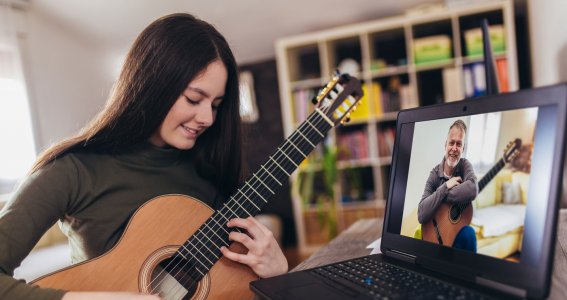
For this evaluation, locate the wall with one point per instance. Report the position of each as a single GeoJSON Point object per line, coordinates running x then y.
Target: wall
{"type": "Point", "coordinates": [548, 35]}
{"type": "Point", "coordinates": [264, 136]}
{"type": "Point", "coordinates": [66, 80]}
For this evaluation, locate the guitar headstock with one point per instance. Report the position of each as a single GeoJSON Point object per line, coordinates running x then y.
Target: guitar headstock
{"type": "Point", "coordinates": [512, 150]}
{"type": "Point", "coordinates": [339, 98]}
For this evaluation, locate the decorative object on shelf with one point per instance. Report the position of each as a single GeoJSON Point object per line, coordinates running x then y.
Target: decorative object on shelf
{"type": "Point", "coordinates": [350, 66]}
{"type": "Point", "coordinates": [248, 108]}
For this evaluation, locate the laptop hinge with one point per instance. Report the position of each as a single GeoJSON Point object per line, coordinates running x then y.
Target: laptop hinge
{"type": "Point", "coordinates": [512, 290]}
{"type": "Point", "coordinates": [401, 255]}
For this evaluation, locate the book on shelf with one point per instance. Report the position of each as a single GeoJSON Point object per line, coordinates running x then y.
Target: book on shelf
{"type": "Point", "coordinates": [502, 71]}
{"type": "Point", "coordinates": [377, 95]}
{"type": "Point", "coordinates": [352, 145]}
{"type": "Point", "coordinates": [386, 137]}
{"type": "Point", "coordinates": [362, 112]}
{"type": "Point", "coordinates": [452, 85]}
{"type": "Point", "coordinates": [406, 98]}
{"type": "Point", "coordinates": [474, 80]}
{"type": "Point", "coordinates": [301, 104]}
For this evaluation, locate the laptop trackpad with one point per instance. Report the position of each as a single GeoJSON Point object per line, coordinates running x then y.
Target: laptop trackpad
{"type": "Point", "coordinates": [316, 290]}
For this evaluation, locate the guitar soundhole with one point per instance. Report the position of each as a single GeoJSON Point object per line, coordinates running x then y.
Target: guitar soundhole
{"type": "Point", "coordinates": [455, 213]}
{"type": "Point", "coordinates": [172, 277]}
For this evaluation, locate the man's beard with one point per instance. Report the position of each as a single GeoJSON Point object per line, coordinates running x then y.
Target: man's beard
{"type": "Point", "coordinates": [452, 163]}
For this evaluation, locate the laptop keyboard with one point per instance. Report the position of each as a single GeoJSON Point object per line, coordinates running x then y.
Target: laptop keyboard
{"type": "Point", "coordinates": [385, 281]}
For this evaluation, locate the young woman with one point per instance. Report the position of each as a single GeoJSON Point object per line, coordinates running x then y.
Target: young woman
{"type": "Point", "coordinates": [171, 126]}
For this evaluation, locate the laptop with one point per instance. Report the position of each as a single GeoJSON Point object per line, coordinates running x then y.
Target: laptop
{"type": "Point", "coordinates": [504, 245]}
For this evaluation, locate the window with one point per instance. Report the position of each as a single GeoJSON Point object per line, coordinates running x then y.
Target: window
{"type": "Point", "coordinates": [17, 149]}
{"type": "Point", "coordinates": [483, 140]}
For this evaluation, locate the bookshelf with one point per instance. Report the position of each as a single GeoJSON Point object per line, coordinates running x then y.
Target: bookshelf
{"type": "Point", "coordinates": [403, 61]}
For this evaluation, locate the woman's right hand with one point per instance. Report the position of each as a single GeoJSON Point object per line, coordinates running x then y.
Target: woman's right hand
{"type": "Point", "coordinates": [109, 296]}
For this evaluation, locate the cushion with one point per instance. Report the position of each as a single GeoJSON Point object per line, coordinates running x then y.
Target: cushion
{"type": "Point", "coordinates": [523, 180]}
{"type": "Point", "coordinates": [511, 193]}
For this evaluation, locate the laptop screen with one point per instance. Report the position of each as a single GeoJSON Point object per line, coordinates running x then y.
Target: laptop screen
{"type": "Point", "coordinates": [475, 185]}
{"type": "Point", "coordinates": [468, 182]}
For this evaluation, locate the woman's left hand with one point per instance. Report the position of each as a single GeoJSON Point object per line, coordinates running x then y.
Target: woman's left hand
{"type": "Point", "coordinates": [264, 255]}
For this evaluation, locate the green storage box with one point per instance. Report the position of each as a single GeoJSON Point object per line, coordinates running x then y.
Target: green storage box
{"type": "Point", "coordinates": [473, 41]}
{"type": "Point", "coordinates": [431, 49]}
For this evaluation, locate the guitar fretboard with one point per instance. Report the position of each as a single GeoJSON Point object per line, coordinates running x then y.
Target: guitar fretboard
{"type": "Point", "coordinates": [490, 174]}
{"type": "Point", "coordinates": [202, 250]}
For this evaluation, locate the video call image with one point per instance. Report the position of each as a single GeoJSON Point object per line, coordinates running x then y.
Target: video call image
{"type": "Point", "coordinates": [468, 182]}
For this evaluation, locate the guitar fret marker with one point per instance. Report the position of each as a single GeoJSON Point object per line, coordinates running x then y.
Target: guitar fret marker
{"type": "Point", "coordinates": [269, 173]}
{"type": "Point", "coordinates": [264, 184]}
{"type": "Point", "coordinates": [324, 116]}
{"type": "Point", "coordinates": [280, 166]}
{"type": "Point", "coordinates": [244, 209]}
{"type": "Point", "coordinates": [220, 224]}
{"type": "Point", "coordinates": [212, 263]}
{"type": "Point", "coordinates": [214, 244]}
{"type": "Point", "coordinates": [306, 138]}
{"type": "Point", "coordinates": [257, 192]}
{"type": "Point", "coordinates": [202, 255]}
{"type": "Point", "coordinates": [304, 156]}
{"type": "Point", "coordinates": [235, 214]}
{"type": "Point", "coordinates": [196, 259]}
{"type": "Point", "coordinates": [184, 257]}
{"type": "Point", "coordinates": [319, 132]}
{"type": "Point", "coordinates": [215, 233]}
{"type": "Point", "coordinates": [288, 157]}
{"type": "Point", "coordinates": [236, 228]}
{"type": "Point", "coordinates": [248, 199]}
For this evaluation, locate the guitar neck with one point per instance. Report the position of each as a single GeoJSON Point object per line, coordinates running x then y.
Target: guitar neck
{"type": "Point", "coordinates": [490, 174]}
{"type": "Point", "coordinates": [203, 248]}
{"type": "Point", "coordinates": [483, 182]}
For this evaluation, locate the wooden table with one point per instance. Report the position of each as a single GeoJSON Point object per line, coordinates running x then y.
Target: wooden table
{"type": "Point", "coordinates": [352, 243]}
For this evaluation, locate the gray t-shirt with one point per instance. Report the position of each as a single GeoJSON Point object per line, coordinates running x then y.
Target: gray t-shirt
{"type": "Point", "coordinates": [92, 196]}
{"type": "Point", "coordinates": [436, 191]}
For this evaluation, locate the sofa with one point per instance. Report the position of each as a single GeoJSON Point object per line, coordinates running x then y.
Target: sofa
{"type": "Point", "coordinates": [499, 213]}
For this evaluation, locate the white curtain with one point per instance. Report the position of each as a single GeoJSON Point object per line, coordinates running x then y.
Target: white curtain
{"type": "Point", "coordinates": [17, 150]}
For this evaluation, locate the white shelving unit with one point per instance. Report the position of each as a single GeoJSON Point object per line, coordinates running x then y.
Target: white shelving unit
{"type": "Point", "coordinates": [384, 50]}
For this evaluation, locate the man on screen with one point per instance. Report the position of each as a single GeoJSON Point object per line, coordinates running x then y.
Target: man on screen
{"type": "Point", "coordinates": [452, 181]}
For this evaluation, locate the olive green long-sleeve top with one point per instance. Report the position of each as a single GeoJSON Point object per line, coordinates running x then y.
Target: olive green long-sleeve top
{"type": "Point", "coordinates": [92, 196]}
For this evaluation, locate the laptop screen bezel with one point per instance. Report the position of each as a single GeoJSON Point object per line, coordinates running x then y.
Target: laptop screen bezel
{"type": "Point", "coordinates": [533, 272]}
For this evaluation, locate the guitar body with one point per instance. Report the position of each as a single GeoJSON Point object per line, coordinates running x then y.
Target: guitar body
{"type": "Point", "coordinates": [448, 226]}
{"type": "Point", "coordinates": [451, 218]}
{"type": "Point", "coordinates": [143, 260]}
{"type": "Point", "coordinates": [154, 233]}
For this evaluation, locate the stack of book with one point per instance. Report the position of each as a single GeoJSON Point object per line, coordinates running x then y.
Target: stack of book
{"type": "Point", "coordinates": [352, 145]}
{"type": "Point", "coordinates": [386, 137]}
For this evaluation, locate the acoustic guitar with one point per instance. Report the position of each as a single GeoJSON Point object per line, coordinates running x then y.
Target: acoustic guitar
{"type": "Point", "coordinates": [171, 245]}
{"type": "Point", "coordinates": [449, 219]}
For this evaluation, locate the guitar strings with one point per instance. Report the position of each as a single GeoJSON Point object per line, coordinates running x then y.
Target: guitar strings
{"type": "Point", "coordinates": [217, 256]}
{"type": "Point", "coordinates": [278, 156]}
{"type": "Point", "coordinates": [277, 171]}
{"type": "Point", "coordinates": [238, 201]}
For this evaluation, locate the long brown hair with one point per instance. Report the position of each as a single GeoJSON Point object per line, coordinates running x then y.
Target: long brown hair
{"type": "Point", "coordinates": [165, 57]}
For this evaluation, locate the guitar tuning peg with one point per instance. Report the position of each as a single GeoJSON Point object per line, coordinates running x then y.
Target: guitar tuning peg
{"type": "Point", "coordinates": [314, 100]}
